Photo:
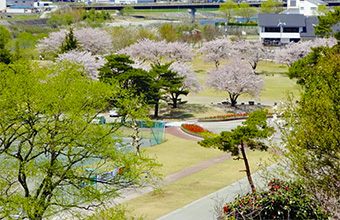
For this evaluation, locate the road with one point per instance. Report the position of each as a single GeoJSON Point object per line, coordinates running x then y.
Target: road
{"type": "Point", "coordinates": [217, 127]}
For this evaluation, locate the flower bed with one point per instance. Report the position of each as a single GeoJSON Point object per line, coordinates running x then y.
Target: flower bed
{"type": "Point", "coordinates": [227, 117]}
{"type": "Point", "coordinates": [283, 200]}
{"type": "Point", "coordinates": [196, 130]}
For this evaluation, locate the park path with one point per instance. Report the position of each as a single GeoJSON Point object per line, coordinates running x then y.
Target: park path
{"type": "Point", "coordinates": [129, 194]}
{"type": "Point", "coordinates": [177, 131]}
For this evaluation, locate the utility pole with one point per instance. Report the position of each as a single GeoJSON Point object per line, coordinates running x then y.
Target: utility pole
{"type": "Point", "coordinates": [281, 24]}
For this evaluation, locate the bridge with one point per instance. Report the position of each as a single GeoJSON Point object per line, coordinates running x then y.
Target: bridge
{"type": "Point", "coordinates": [180, 5]}
{"type": "Point", "coordinates": [160, 6]}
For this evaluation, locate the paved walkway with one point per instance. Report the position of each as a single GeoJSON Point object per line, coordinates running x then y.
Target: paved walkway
{"type": "Point", "coordinates": [177, 131]}
{"type": "Point", "coordinates": [196, 168]}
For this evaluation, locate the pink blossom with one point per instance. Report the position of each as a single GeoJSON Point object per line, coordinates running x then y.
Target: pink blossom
{"type": "Point", "coordinates": [146, 50]}
{"type": "Point", "coordinates": [236, 78]}
{"type": "Point", "coordinates": [94, 40]}
{"type": "Point", "coordinates": [91, 63]}
{"type": "Point", "coordinates": [295, 51]}
{"type": "Point", "coordinates": [190, 81]}
{"type": "Point", "coordinates": [216, 50]}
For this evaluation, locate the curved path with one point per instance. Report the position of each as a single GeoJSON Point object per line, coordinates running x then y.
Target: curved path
{"type": "Point", "coordinates": [177, 131]}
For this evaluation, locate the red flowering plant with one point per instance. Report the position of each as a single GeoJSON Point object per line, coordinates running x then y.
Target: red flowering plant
{"type": "Point", "coordinates": [224, 117]}
{"type": "Point", "coordinates": [196, 130]}
{"type": "Point", "coordinates": [284, 200]}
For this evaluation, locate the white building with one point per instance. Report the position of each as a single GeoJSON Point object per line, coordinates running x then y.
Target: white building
{"type": "Point", "coordinates": [277, 29]}
{"type": "Point", "coordinates": [305, 7]}
{"type": "Point", "coordinates": [2, 5]}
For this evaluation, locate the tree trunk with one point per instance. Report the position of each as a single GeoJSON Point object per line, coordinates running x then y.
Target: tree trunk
{"type": "Point", "coordinates": [233, 98]}
{"type": "Point", "coordinates": [250, 180]}
{"type": "Point", "coordinates": [174, 98]}
{"type": "Point", "coordinates": [217, 64]}
{"type": "Point", "coordinates": [156, 109]}
{"type": "Point", "coordinates": [136, 140]}
{"type": "Point", "coordinates": [174, 103]}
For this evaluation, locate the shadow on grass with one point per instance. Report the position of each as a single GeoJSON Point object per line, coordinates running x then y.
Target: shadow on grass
{"type": "Point", "coordinates": [182, 112]}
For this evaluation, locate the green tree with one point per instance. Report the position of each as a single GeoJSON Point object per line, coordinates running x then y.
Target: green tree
{"type": "Point", "coordinates": [165, 82]}
{"type": "Point", "coordinates": [322, 10]}
{"type": "Point", "coordinates": [5, 37]}
{"type": "Point", "coordinates": [135, 94]}
{"type": "Point", "coordinates": [271, 6]}
{"type": "Point", "coordinates": [326, 22]}
{"type": "Point", "coordinates": [144, 33]}
{"type": "Point", "coordinates": [127, 10]}
{"type": "Point", "coordinates": [123, 37]}
{"type": "Point", "coordinates": [48, 139]}
{"type": "Point", "coordinates": [246, 12]}
{"type": "Point", "coordinates": [250, 135]}
{"type": "Point", "coordinates": [70, 42]}
{"type": "Point", "coordinates": [168, 32]}
{"type": "Point", "coordinates": [93, 15]}
{"type": "Point", "coordinates": [209, 32]}
{"type": "Point", "coordinates": [118, 69]}
{"type": "Point", "coordinates": [313, 126]}
{"type": "Point", "coordinates": [23, 46]}
{"type": "Point", "coordinates": [227, 10]}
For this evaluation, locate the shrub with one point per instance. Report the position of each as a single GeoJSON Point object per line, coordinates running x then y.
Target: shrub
{"type": "Point", "coordinates": [284, 200]}
{"type": "Point", "coordinates": [93, 15]}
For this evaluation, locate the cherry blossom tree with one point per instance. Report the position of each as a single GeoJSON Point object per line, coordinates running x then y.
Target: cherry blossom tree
{"type": "Point", "coordinates": [236, 78]}
{"type": "Point", "coordinates": [94, 40]}
{"type": "Point", "coordinates": [295, 51]}
{"type": "Point", "coordinates": [216, 51]}
{"type": "Point", "coordinates": [51, 45]}
{"type": "Point", "coordinates": [184, 70]}
{"type": "Point", "coordinates": [178, 51]}
{"type": "Point", "coordinates": [158, 51]}
{"type": "Point", "coordinates": [91, 63]}
{"type": "Point", "coordinates": [190, 81]}
{"type": "Point", "coordinates": [145, 50]}
{"type": "Point", "coordinates": [251, 52]}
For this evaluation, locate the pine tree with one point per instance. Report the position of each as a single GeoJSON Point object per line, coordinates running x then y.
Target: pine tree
{"type": "Point", "coordinates": [70, 42]}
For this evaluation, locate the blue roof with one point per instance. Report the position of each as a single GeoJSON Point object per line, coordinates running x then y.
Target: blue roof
{"type": "Point", "coordinates": [20, 7]}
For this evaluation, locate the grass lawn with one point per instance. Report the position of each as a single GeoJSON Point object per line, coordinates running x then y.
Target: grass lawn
{"type": "Point", "coordinates": [276, 88]}
{"type": "Point", "coordinates": [277, 84]}
{"type": "Point", "coordinates": [271, 68]}
{"type": "Point", "coordinates": [191, 188]}
{"type": "Point", "coordinates": [23, 17]}
{"type": "Point", "coordinates": [176, 154]}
